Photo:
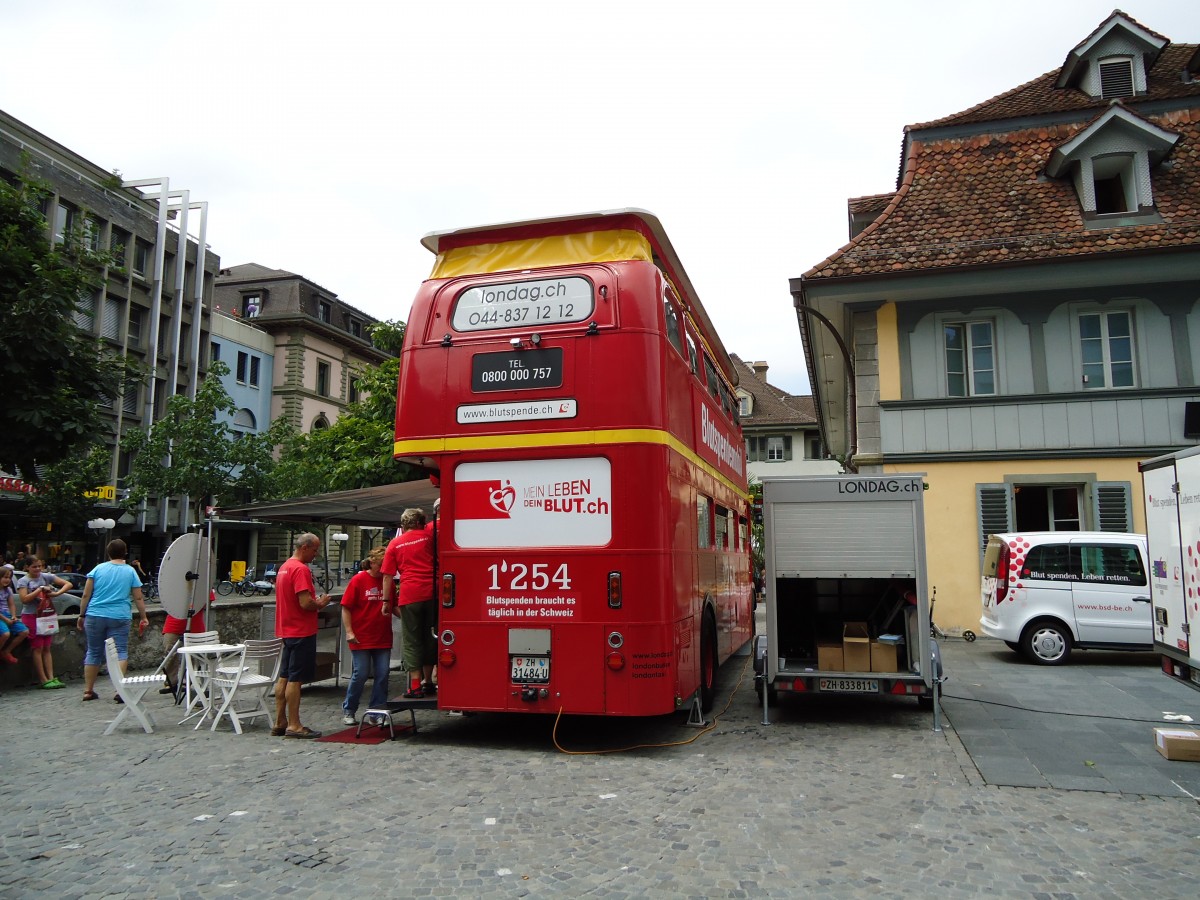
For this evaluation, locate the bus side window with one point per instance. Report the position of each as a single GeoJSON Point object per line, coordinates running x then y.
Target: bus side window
{"type": "Point", "coordinates": [721, 528]}
{"type": "Point", "coordinates": [727, 402]}
{"type": "Point", "coordinates": [704, 522]}
{"type": "Point", "coordinates": [743, 534]}
{"type": "Point", "coordinates": [714, 383]}
{"type": "Point", "coordinates": [691, 345]}
{"type": "Point", "coordinates": [671, 317]}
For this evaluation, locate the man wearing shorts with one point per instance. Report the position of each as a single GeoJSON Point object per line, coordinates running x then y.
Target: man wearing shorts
{"type": "Point", "coordinates": [296, 607]}
{"type": "Point", "coordinates": [409, 558]}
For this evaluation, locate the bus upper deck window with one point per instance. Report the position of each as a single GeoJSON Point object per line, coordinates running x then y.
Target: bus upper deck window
{"type": "Point", "coordinates": [714, 383]}
{"type": "Point", "coordinates": [691, 345]}
{"type": "Point", "coordinates": [672, 321]}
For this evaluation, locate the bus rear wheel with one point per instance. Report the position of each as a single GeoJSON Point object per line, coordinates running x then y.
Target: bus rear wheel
{"type": "Point", "coordinates": [708, 663]}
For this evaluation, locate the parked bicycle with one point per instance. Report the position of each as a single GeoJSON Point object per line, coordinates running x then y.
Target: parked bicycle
{"type": "Point", "coordinates": [246, 587]}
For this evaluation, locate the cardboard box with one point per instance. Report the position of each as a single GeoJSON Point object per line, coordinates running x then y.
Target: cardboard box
{"type": "Point", "coordinates": [856, 647]}
{"type": "Point", "coordinates": [829, 657]}
{"type": "Point", "coordinates": [1178, 743]}
{"type": "Point", "coordinates": [885, 656]}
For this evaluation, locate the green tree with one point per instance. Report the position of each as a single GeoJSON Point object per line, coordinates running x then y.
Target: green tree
{"type": "Point", "coordinates": [62, 494]}
{"type": "Point", "coordinates": [57, 377]}
{"type": "Point", "coordinates": [207, 458]}
{"type": "Point", "coordinates": [356, 450]}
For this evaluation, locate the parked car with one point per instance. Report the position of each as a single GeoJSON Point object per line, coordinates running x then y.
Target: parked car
{"type": "Point", "coordinates": [65, 604]}
{"type": "Point", "coordinates": [1047, 593]}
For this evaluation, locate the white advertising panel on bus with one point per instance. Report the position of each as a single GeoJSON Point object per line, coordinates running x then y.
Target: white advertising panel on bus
{"type": "Point", "coordinates": [533, 503]}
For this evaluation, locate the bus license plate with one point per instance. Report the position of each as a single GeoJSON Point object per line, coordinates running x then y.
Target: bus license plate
{"type": "Point", "coordinates": [530, 669]}
{"type": "Point", "coordinates": [850, 685]}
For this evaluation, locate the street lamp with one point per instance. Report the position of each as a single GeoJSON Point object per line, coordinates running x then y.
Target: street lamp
{"type": "Point", "coordinates": [99, 526]}
{"type": "Point", "coordinates": [341, 537]}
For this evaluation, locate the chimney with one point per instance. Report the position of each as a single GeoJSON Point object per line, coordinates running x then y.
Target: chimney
{"type": "Point", "coordinates": [760, 369]}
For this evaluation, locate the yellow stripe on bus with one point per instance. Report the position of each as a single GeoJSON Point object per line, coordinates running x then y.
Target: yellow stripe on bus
{"type": "Point", "coordinates": [562, 439]}
{"type": "Point", "coordinates": [540, 253]}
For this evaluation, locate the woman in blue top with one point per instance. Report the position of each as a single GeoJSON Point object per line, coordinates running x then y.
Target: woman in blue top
{"type": "Point", "coordinates": [106, 605]}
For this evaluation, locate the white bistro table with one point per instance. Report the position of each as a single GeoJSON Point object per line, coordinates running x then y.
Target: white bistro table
{"type": "Point", "coordinates": [201, 662]}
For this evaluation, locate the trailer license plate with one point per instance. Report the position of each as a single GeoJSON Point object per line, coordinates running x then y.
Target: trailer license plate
{"type": "Point", "coordinates": [850, 685]}
{"type": "Point", "coordinates": [530, 669]}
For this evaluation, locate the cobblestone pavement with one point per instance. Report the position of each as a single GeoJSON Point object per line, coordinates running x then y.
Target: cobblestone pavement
{"type": "Point", "coordinates": [831, 800]}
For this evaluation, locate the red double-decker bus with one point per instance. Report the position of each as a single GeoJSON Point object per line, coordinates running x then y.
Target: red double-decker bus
{"type": "Point", "coordinates": [562, 383]}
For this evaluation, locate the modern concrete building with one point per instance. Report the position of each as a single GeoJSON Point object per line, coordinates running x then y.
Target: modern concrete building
{"type": "Point", "coordinates": [152, 308]}
{"type": "Point", "coordinates": [1018, 320]}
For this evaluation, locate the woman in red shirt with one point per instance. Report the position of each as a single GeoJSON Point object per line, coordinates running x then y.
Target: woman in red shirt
{"type": "Point", "coordinates": [368, 626]}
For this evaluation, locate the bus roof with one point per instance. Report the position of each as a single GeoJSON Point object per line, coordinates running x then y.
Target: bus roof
{"type": "Point", "coordinates": [601, 220]}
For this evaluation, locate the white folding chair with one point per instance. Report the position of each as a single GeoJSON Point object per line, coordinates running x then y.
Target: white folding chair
{"type": "Point", "coordinates": [131, 689]}
{"type": "Point", "coordinates": [196, 673]}
{"type": "Point", "coordinates": [254, 675]}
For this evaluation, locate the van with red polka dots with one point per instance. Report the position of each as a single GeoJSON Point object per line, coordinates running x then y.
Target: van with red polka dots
{"type": "Point", "coordinates": [1046, 593]}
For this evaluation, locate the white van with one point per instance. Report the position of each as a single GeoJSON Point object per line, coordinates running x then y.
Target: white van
{"type": "Point", "coordinates": [1047, 592]}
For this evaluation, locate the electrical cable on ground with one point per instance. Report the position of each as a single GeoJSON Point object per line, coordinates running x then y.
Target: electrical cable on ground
{"type": "Point", "coordinates": [1055, 712]}
{"type": "Point", "coordinates": [699, 734]}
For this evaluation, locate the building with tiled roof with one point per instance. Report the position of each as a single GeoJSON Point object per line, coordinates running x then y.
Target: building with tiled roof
{"type": "Point", "coordinates": [1017, 319]}
{"type": "Point", "coordinates": [780, 428]}
{"type": "Point", "coordinates": [322, 343]}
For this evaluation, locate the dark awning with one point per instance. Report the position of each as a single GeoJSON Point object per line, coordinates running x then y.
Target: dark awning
{"type": "Point", "coordinates": [366, 506]}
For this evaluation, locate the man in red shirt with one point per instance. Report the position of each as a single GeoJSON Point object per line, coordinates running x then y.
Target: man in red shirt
{"type": "Point", "coordinates": [410, 556]}
{"type": "Point", "coordinates": [296, 607]}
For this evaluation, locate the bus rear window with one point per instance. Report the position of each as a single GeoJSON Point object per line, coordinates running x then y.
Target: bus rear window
{"type": "Point", "coordinates": [545, 301]}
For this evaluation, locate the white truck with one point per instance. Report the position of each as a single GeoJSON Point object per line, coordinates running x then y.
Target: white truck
{"type": "Point", "coordinates": [1171, 486]}
{"type": "Point", "coordinates": [846, 589]}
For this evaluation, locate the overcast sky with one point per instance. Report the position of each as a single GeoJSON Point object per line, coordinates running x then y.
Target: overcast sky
{"type": "Point", "coordinates": [328, 138]}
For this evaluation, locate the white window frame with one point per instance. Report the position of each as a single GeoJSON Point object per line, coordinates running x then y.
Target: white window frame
{"type": "Point", "coordinates": [1106, 340]}
{"type": "Point", "coordinates": [776, 450]}
{"type": "Point", "coordinates": [969, 374]}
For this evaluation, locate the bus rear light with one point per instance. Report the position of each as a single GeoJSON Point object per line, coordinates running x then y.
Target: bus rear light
{"type": "Point", "coordinates": [448, 590]}
{"type": "Point", "coordinates": [614, 590]}
{"type": "Point", "coordinates": [616, 661]}
{"type": "Point", "coordinates": [447, 658]}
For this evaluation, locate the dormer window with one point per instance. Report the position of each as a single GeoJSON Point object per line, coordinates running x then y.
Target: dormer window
{"type": "Point", "coordinates": [1116, 77]}
{"type": "Point", "coordinates": [1111, 163]}
{"type": "Point", "coordinates": [1112, 62]}
{"type": "Point", "coordinates": [1112, 183]}
{"type": "Point", "coordinates": [745, 404]}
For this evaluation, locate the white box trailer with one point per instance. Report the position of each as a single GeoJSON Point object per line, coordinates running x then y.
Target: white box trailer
{"type": "Point", "coordinates": [843, 552]}
{"type": "Point", "coordinates": [1171, 488]}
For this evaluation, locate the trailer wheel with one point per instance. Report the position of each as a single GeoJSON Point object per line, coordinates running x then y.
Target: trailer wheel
{"type": "Point", "coordinates": [708, 663]}
{"type": "Point", "coordinates": [925, 701]}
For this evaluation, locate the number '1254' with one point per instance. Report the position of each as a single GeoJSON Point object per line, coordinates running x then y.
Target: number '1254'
{"type": "Point", "coordinates": [536, 577]}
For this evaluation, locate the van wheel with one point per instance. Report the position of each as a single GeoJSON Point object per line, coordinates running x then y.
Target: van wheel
{"type": "Point", "coordinates": [925, 702]}
{"type": "Point", "coordinates": [708, 663]}
{"type": "Point", "coordinates": [1047, 643]}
